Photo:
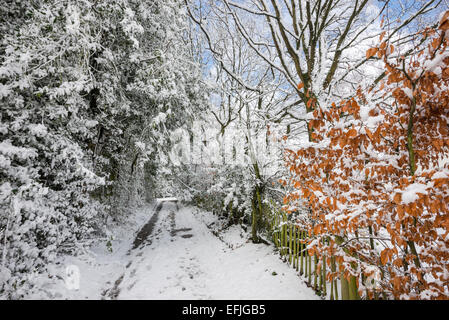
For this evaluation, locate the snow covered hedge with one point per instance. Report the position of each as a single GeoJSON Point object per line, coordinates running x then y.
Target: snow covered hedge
{"type": "Point", "coordinates": [80, 84]}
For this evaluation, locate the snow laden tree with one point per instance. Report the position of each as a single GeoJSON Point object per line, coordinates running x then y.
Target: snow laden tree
{"type": "Point", "coordinates": [89, 91]}
{"type": "Point", "coordinates": [375, 176]}
{"type": "Point", "coordinates": [45, 124]}
{"type": "Point", "coordinates": [318, 46]}
{"type": "Point", "coordinates": [312, 52]}
{"type": "Point", "coordinates": [246, 95]}
{"type": "Point", "coordinates": [162, 91]}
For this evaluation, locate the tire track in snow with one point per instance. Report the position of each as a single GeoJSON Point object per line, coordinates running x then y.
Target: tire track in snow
{"type": "Point", "coordinates": [141, 238]}
{"type": "Point", "coordinates": [147, 229]}
{"type": "Point", "coordinates": [184, 259]}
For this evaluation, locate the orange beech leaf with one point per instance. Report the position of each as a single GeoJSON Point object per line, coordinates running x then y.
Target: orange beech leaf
{"type": "Point", "coordinates": [400, 211]}
{"type": "Point", "coordinates": [435, 43]}
{"type": "Point", "coordinates": [391, 48]}
{"type": "Point", "coordinates": [397, 283]}
{"type": "Point", "coordinates": [444, 22]}
{"type": "Point", "coordinates": [300, 85]}
{"type": "Point", "coordinates": [309, 103]}
{"type": "Point", "coordinates": [397, 198]}
{"type": "Point", "coordinates": [371, 52]}
{"type": "Point", "coordinates": [352, 133]}
{"type": "Point", "coordinates": [384, 256]}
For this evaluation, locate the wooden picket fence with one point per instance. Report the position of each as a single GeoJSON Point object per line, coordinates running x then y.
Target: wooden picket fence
{"type": "Point", "coordinates": [291, 242]}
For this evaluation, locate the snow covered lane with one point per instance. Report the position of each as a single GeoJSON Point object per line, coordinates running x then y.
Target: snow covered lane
{"type": "Point", "coordinates": [182, 259]}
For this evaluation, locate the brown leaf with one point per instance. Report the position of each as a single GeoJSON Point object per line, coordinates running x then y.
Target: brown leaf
{"type": "Point", "coordinates": [371, 52]}
{"type": "Point", "coordinates": [444, 22]}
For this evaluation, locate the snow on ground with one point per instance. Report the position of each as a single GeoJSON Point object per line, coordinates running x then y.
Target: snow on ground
{"type": "Point", "coordinates": [184, 257]}
{"type": "Point", "coordinates": [98, 267]}
{"type": "Point", "coordinates": [185, 260]}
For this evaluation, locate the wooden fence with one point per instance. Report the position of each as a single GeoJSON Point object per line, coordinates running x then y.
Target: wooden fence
{"type": "Point", "coordinates": [292, 242]}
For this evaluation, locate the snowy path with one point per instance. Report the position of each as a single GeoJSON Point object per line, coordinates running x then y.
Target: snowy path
{"type": "Point", "coordinates": [182, 259]}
